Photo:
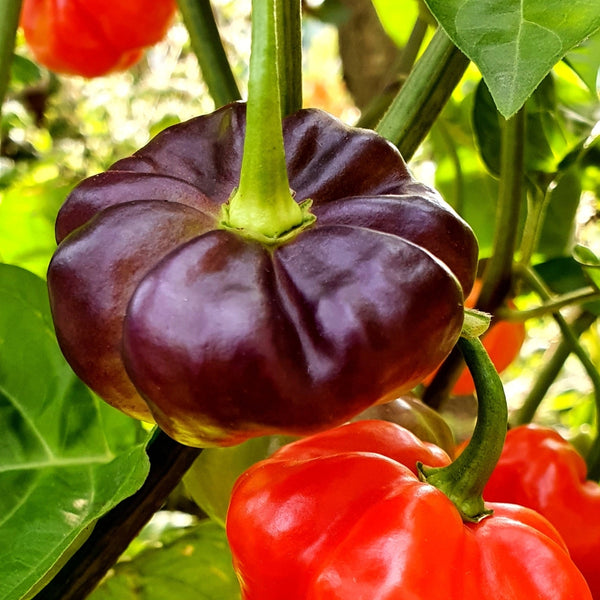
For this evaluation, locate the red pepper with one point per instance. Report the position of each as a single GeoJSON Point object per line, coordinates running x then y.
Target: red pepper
{"type": "Point", "coordinates": [93, 37]}
{"type": "Point", "coordinates": [342, 515]}
{"type": "Point", "coordinates": [540, 469]}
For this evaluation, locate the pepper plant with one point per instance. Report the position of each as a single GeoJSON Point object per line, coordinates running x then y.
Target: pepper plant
{"type": "Point", "coordinates": [258, 270]}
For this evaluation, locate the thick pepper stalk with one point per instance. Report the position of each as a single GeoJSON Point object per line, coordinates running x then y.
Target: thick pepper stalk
{"type": "Point", "coordinates": [538, 468]}
{"type": "Point", "coordinates": [220, 337]}
{"type": "Point", "coordinates": [342, 515]}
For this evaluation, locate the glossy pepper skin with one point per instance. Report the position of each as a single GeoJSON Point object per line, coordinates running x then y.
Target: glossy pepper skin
{"type": "Point", "coordinates": [540, 469]}
{"type": "Point", "coordinates": [220, 338]}
{"type": "Point", "coordinates": [93, 37]}
{"type": "Point", "coordinates": [341, 515]}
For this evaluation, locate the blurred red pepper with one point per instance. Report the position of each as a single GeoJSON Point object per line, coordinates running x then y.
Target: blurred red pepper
{"type": "Point", "coordinates": [538, 468]}
{"type": "Point", "coordinates": [341, 515]}
{"type": "Point", "coordinates": [93, 37]}
{"type": "Point", "coordinates": [503, 341]}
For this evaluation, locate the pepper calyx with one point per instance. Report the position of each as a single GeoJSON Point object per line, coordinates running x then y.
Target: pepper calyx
{"type": "Point", "coordinates": [267, 232]}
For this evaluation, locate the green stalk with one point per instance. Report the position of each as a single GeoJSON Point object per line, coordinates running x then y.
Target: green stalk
{"type": "Point", "coordinates": [10, 11]}
{"type": "Point", "coordinates": [498, 271]}
{"type": "Point", "coordinates": [208, 47]}
{"type": "Point", "coordinates": [464, 479]}
{"type": "Point", "coordinates": [290, 56]}
{"type": "Point", "coordinates": [423, 95]}
{"type": "Point", "coordinates": [371, 115]}
{"type": "Point", "coordinates": [581, 296]}
{"type": "Point", "coordinates": [263, 207]}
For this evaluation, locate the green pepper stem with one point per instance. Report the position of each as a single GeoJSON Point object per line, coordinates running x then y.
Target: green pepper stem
{"type": "Point", "coordinates": [423, 95]}
{"type": "Point", "coordinates": [10, 11]}
{"type": "Point", "coordinates": [206, 42]}
{"type": "Point", "coordinates": [464, 479]}
{"type": "Point", "coordinates": [263, 206]}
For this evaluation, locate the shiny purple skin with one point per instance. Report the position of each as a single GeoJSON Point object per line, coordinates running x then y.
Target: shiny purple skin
{"type": "Point", "coordinates": [219, 338]}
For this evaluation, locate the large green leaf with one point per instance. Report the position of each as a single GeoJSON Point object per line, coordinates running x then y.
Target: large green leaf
{"type": "Point", "coordinates": [65, 457]}
{"type": "Point", "coordinates": [515, 43]}
{"type": "Point", "coordinates": [189, 564]}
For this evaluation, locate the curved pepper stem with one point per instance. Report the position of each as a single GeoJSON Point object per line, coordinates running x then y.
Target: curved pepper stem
{"type": "Point", "coordinates": [263, 206]}
{"type": "Point", "coordinates": [463, 480]}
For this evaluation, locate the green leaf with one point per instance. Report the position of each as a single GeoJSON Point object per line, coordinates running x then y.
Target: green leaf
{"type": "Point", "coordinates": [563, 275]}
{"type": "Point", "coordinates": [558, 229]}
{"type": "Point", "coordinates": [190, 564]}
{"type": "Point", "coordinates": [585, 61]}
{"type": "Point", "coordinates": [24, 71]}
{"type": "Point", "coordinates": [515, 43]}
{"type": "Point", "coordinates": [590, 263]}
{"type": "Point", "coordinates": [66, 458]}
{"type": "Point", "coordinates": [547, 140]}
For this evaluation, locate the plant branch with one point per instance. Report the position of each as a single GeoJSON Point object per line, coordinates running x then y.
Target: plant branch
{"type": "Point", "coordinates": [206, 42]}
{"type": "Point", "coordinates": [371, 115]}
{"type": "Point", "coordinates": [289, 44]}
{"type": "Point", "coordinates": [581, 296]}
{"type": "Point", "coordinates": [497, 275]}
{"type": "Point", "coordinates": [498, 272]}
{"type": "Point", "coordinates": [423, 95]}
{"type": "Point", "coordinates": [113, 532]}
